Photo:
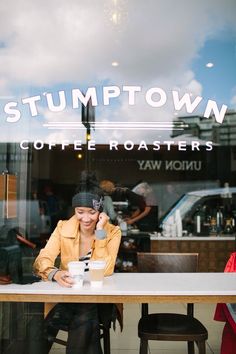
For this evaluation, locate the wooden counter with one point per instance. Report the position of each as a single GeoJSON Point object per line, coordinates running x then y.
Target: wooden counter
{"type": "Point", "coordinates": [214, 251]}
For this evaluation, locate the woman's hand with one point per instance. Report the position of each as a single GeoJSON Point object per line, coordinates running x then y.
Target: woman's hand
{"type": "Point", "coordinates": [63, 278]}
{"type": "Point", "coordinates": [102, 220]}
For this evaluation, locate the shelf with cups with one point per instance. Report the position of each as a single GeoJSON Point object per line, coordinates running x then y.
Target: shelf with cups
{"type": "Point", "coordinates": [131, 243]}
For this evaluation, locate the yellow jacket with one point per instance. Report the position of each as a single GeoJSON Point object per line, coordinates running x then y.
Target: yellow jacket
{"type": "Point", "coordinates": [65, 241]}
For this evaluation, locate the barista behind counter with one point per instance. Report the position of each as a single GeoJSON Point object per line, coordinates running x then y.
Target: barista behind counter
{"type": "Point", "coordinates": [147, 219]}
{"type": "Point", "coordinates": [136, 202]}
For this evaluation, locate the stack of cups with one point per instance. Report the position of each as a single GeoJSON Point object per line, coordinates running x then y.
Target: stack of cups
{"type": "Point", "coordinates": [76, 269]}
{"type": "Point", "coordinates": [96, 272]}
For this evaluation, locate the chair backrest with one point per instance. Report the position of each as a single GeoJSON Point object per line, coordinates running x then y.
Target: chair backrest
{"type": "Point", "coordinates": [167, 262]}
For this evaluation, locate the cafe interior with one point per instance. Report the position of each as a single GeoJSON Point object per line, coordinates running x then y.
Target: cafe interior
{"type": "Point", "coordinates": [143, 98]}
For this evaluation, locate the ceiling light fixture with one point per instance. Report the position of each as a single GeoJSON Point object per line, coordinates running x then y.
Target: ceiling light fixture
{"type": "Point", "coordinates": [115, 63]}
{"type": "Point", "coordinates": [209, 65]}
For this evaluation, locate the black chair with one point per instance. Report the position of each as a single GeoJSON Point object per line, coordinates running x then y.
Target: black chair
{"type": "Point", "coordinates": [170, 326]}
{"type": "Point", "coordinates": [53, 332]}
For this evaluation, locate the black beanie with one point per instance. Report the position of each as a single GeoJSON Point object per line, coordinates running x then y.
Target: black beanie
{"type": "Point", "coordinates": [88, 200]}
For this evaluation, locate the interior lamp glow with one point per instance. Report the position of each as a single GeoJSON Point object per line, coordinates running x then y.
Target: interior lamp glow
{"type": "Point", "coordinates": [115, 63]}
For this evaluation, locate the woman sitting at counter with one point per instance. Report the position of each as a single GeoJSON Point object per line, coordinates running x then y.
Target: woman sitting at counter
{"type": "Point", "coordinates": [86, 235]}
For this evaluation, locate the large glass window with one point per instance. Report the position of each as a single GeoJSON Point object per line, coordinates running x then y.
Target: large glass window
{"type": "Point", "coordinates": [133, 91]}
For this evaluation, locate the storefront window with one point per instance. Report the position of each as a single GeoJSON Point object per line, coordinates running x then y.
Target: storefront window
{"type": "Point", "coordinates": [142, 102]}
{"type": "Point", "coordinates": [130, 91]}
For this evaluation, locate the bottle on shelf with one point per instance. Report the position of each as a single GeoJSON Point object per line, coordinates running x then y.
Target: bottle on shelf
{"type": "Point", "coordinates": [226, 193]}
{"type": "Point", "coordinates": [229, 221]}
{"type": "Point", "coordinates": [178, 223]}
{"type": "Point", "coordinates": [206, 220]}
{"type": "Point", "coordinates": [219, 220]}
{"type": "Point", "coordinates": [198, 222]}
{"type": "Point", "coordinates": [228, 226]}
{"type": "Point", "coordinates": [213, 226]}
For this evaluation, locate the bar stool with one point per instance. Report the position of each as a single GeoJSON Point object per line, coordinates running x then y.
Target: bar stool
{"type": "Point", "coordinates": [170, 326]}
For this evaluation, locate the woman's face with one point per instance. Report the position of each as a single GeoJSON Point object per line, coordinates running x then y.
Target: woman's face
{"type": "Point", "coordinates": [87, 217]}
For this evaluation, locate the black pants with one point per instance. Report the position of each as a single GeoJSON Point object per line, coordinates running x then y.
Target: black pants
{"type": "Point", "coordinates": [81, 320]}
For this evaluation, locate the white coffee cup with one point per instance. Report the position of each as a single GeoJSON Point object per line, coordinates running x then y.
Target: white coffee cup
{"type": "Point", "coordinates": [96, 273]}
{"type": "Point", "coordinates": [76, 269]}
